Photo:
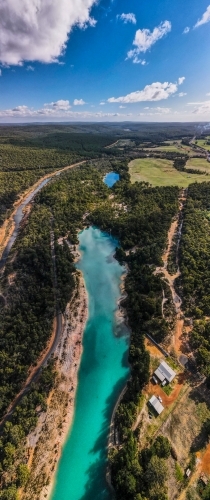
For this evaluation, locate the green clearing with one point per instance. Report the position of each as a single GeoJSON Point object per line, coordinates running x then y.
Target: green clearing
{"type": "Point", "coordinates": [199, 164]}
{"type": "Point", "coordinates": [159, 172]}
{"type": "Point", "coordinates": [171, 148]}
{"type": "Point", "coordinates": [203, 143]}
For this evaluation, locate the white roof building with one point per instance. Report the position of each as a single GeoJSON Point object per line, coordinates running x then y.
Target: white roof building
{"type": "Point", "coordinates": [165, 372]}
{"type": "Point", "coordinates": [155, 403]}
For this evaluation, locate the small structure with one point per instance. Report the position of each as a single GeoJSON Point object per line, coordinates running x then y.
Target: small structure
{"type": "Point", "coordinates": [155, 403]}
{"type": "Point", "coordinates": [204, 479]}
{"type": "Point", "coordinates": [188, 472]}
{"type": "Point", "coordinates": [165, 372]}
{"type": "Point", "coordinates": [188, 322]}
{"type": "Point", "coordinates": [155, 380]}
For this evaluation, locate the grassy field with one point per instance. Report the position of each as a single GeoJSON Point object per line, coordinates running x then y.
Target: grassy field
{"type": "Point", "coordinates": [170, 148]}
{"type": "Point", "coordinates": [199, 164]}
{"type": "Point", "coordinates": [202, 143]}
{"type": "Point", "coordinates": [160, 172]}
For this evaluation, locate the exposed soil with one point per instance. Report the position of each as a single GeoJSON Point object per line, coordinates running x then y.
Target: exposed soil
{"type": "Point", "coordinates": [153, 350]}
{"type": "Point", "coordinates": [205, 462]}
{"type": "Point", "coordinates": [158, 391]}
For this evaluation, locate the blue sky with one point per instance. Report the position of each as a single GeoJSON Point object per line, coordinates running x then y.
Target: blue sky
{"type": "Point", "coordinates": [87, 60]}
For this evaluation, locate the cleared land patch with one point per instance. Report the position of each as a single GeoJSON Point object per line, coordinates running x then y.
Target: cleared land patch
{"type": "Point", "coordinates": [171, 148]}
{"type": "Point", "coordinates": [160, 172]}
{"type": "Point", "coordinates": [199, 164]}
{"type": "Point", "coordinates": [203, 143]}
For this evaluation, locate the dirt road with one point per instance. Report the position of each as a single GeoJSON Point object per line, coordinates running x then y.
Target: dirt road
{"type": "Point", "coordinates": [7, 229]}
{"type": "Point", "coordinates": [176, 227]}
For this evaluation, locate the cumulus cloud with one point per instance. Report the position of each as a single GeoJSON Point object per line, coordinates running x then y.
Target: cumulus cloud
{"type": "Point", "coordinates": [144, 39]}
{"type": "Point", "coordinates": [154, 92]}
{"type": "Point", "coordinates": [79, 102]}
{"type": "Point", "coordinates": [182, 94]}
{"type": "Point", "coordinates": [59, 110]}
{"type": "Point", "coordinates": [127, 18]}
{"type": "Point", "coordinates": [59, 105]}
{"type": "Point", "coordinates": [29, 68]}
{"type": "Point", "coordinates": [205, 18]}
{"type": "Point", "coordinates": [38, 30]}
{"type": "Point", "coordinates": [186, 30]}
{"type": "Point", "coordinates": [102, 103]}
{"type": "Point", "coordinates": [208, 93]}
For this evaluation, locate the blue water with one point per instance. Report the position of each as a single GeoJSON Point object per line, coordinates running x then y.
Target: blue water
{"type": "Point", "coordinates": [111, 178]}
{"type": "Point", "coordinates": [102, 375]}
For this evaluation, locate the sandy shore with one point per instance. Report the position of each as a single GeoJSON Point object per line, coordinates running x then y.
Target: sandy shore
{"type": "Point", "coordinates": [46, 441]}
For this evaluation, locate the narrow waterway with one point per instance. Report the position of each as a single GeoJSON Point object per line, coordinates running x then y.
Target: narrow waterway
{"type": "Point", "coordinates": [19, 214]}
{"type": "Point", "coordinates": [81, 473]}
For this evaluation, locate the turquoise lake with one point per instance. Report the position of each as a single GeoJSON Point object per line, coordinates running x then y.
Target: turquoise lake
{"type": "Point", "coordinates": [111, 178]}
{"type": "Point", "coordinates": [81, 473]}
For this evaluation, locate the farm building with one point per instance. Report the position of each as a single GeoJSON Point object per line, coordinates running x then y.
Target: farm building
{"type": "Point", "coordinates": [155, 403]}
{"type": "Point", "coordinates": [165, 372]}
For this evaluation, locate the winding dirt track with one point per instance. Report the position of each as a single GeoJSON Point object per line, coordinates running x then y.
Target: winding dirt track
{"type": "Point", "coordinates": [7, 228]}
{"type": "Point", "coordinates": [57, 325]}
{"type": "Point", "coordinates": [171, 278]}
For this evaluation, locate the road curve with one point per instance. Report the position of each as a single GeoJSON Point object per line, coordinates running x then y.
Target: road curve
{"type": "Point", "coordinates": [10, 227]}
{"type": "Point", "coordinates": [58, 330]}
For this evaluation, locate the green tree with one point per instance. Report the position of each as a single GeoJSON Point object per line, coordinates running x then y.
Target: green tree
{"type": "Point", "coordinates": [22, 474]}
{"type": "Point", "coordinates": [162, 447]}
{"type": "Point", "coordinates": [156, 471]}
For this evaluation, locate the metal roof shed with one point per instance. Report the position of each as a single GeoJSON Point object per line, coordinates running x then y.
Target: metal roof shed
{"type": "Point", "coordinates": [155, 403]}
{"type": "Point", "coordinates": [160, 375]}
{"type": "Point", "coordinates": [167, 371]}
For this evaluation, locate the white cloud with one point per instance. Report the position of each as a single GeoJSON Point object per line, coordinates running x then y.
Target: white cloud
{"type": "Point", "coordinates": [29, 68]}
{"type": "Point", "coordinates": [102, 103]}
{"type": "Point", "coordinates": [154, 92]}
{"type": "Point", "coordinates": [205, 18]}
{"type": "Point", "coordinates": [156, 111]}
{"type": "Point", "coordinates": [136, 60]}
{"type": "Point", "coordinates": [59, 110]}
{"type": "Point", "coordinates": [182, 94]}
{"type": "Point", "coordinates": [202, 108]}
{"type": "Point", "coordinates": [181, 80]}
{"type": "Point", "coordinates": [0, 72]}
{"type": "Point", "coordinates": [91, 22]}
{"type": "Point", "coordinates": [186, 30]}
{"type": "Point", "coordinates": [37, 30]}
{"type": "Point", "coordinates": [79, 102]}
{"type": "Point", "coordinates": [208, 93]}
{"type": "Point", "coordinates": [122, 107]}
{"type": "Point", "coordinates": [127, 18]}
{"type": "Point", "coordinates": [60, 105]}
{"type": "Point", "coordinates": [144, 39]}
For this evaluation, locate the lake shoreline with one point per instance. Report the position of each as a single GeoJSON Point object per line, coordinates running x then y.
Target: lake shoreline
{"type": "Point", "coordinates": [46, 452]}
{"type": "Point", "coordinates": [103, 368]}
{"type": "Point", "coordinates": [58, 418]}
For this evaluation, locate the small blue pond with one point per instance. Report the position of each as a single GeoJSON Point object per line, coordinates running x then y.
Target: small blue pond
{"type": "Point", "coordinates": [111, 178]}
